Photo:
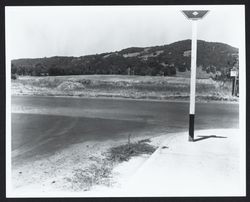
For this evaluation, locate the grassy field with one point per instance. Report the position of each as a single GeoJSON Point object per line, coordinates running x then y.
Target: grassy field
{"type": "Point", "coordinates": [122, 86]}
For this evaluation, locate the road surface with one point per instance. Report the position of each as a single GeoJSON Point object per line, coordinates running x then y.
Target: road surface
{"type": "Point", "coordinates": [44, 125]}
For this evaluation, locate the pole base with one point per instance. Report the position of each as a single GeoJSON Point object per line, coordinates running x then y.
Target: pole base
{"type": "Point", "coordinates": [190, 139]}
{"type": "Point", "coordinates": [191, 128]}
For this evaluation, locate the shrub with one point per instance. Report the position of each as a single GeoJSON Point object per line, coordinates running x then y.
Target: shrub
{"type": "Point", "coordinates": [125, 152]}
{"type": "Point", "coordinates": [13, 76]}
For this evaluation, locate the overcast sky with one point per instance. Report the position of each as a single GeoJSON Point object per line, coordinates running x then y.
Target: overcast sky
{"type": "Point", "coordinates": [75, 31]}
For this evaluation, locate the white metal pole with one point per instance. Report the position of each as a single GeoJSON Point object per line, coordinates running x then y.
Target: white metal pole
{"type": "Point", "coordinates": [193, 80]}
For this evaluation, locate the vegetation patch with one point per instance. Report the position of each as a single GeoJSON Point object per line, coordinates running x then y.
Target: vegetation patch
{"type": "Point", "coordinates": [129, 150]}
{"type": "Point", "coordinates": [70, 85]}
{"type": "Point", "coordinates": [99, 172]}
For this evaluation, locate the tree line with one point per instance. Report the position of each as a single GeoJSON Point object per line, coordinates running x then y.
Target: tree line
{"type": "Point", "coordinates": [158, 60]}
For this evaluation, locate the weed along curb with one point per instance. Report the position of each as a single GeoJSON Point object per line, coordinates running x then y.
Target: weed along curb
{"type": "Point", "coordinates": [125, 152]}
{"type": "Point", "coordinates": [100, 171]}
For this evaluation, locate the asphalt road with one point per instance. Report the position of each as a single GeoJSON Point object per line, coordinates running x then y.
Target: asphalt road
{"type": "Point", "coordinates": [44, 125]}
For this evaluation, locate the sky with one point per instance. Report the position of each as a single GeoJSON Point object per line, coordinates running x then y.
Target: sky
{"type": "Point", "coordinates": [45, 31]}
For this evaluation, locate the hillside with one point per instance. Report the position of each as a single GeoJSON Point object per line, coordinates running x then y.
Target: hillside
{"type": "Point", "coordinates": [167, 60]}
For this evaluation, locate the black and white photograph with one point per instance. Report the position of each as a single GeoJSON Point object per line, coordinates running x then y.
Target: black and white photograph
{"type": "Point", "coordinates": [125, 101]}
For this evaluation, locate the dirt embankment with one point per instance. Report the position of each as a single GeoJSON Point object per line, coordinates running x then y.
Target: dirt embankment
{"type": "Point", "coordinates": [117, 86]}
{"type": "Point", "coordinates": [79, 168]}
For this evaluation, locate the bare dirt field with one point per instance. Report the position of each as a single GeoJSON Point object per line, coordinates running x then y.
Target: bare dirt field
{"type": "Point", "coordinates": [122, 86]}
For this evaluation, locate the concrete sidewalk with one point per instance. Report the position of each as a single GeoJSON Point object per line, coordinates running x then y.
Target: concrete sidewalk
{"type": "Point", "coordinates": [210, 166]}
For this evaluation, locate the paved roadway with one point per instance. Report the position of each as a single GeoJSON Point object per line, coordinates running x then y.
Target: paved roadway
{"type": "Point", "coordinates": [44, 125]}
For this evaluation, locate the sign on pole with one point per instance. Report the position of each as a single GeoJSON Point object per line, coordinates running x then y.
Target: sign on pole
{"type": "Point", "coordinates": [193, 15]}
{"type": "Point", "coordinates": [233, 73]}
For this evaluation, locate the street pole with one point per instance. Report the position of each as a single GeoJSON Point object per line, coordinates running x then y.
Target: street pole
{"type": "Point", "coordinates": [193, 15]}
{"type": "Point", "coordinates": [233, 86]}
{"type": "Point", "coordinates": [233, 74]}
{"type": "Point", "coordinates": [192, 80]}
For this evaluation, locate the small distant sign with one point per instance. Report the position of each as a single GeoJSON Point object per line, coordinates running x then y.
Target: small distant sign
{"type": "Point", "coordinates": [195, 14]}
{"type": "Point", "coordinates": [233, 73]}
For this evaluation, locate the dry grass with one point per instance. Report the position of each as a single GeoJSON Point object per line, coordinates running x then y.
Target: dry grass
{"type": "Point", "coordinates": [99, 172]}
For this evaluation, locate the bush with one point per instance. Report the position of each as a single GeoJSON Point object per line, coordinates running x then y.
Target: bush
{"type": "Point", "coordinates": [13, 76]}
{"type": "Point", "coordinates": [125, 152]}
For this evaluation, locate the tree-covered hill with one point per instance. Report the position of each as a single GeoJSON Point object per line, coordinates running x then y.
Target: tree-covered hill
{"type": "Point", "coordinates": [157, 60]}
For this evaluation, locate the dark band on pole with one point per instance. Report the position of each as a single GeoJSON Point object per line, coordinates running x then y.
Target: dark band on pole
{"type": "Point", "coordinates": [191, 127]}
{"type": "Point", "coordinates": [233, 87]}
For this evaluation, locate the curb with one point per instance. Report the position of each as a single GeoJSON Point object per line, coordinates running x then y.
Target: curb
{"type": "Point", "coordinates": [158, 150]}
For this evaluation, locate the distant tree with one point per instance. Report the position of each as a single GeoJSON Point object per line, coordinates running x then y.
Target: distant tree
{"type": "Point", "coordinates": [13, 76]}
{"type": "Point", "coordinates": [172, 71]}
{"type": "Point", "coordinates": [181, 68]}
{"type": "Point", "coordinates": [213, 69]}
{"type": "Point", "coordinates": [208, 69]}
{"type": "Point", "coordinates": [13, 68]}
